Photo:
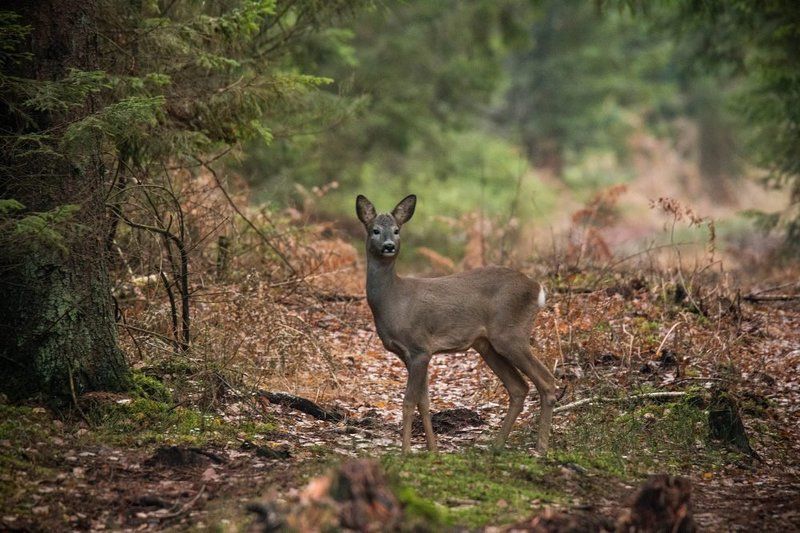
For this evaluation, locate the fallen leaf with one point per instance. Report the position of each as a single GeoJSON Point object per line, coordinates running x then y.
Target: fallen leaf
{"type": "Point", "coordinates": [209, 474]}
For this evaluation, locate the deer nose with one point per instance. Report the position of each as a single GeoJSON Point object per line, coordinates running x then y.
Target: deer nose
{"type": "Point", "coordinates": [389, 248]}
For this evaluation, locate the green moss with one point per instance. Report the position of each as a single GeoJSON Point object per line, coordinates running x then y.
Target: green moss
{"type": "Point", "coordinates": [602, 460]}
{"type": "Point", "coordinates": [19, 424]}
{"type": "Point", "coordinates": [23, 427]}
{"type": "Point", "coordinates": [150, 388]}
{"type": "Point", "coordinates": [602, 326]}
{"type": "Point", "coordinates": [142, 420]}
{"type": "Point", "coordinates": [637, 438]}
{"type": "Point", "coordinates": [471, 489]}
{"type": "Point", "coordinates": [419, 510]}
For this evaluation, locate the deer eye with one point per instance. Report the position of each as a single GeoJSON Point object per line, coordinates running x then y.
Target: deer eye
{"type": "Point", "coordinates": [396, 231]}
{"type": "Point", "coordinates": [376, 232]}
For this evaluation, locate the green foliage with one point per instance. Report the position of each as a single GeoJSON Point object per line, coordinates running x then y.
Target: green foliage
{"type": "Point", "coordinates": [34, 232]}
{"type": "Point", "coordinates": [454, 102]}
{"type": "Point", "coordinates": [178, 82]}
{"type": "Point", "coordinates": [9, 206]}
{"type": "Point", "coordinates": [472, 488]}
{"type": "Point", "coordinates": [121, 122]}
{"type": "Point", "coordinates": [68, 92]}
{"type": "Point", "coordinates": [12, 34]}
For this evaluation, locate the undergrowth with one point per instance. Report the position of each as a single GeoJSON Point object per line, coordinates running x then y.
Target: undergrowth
{"type": "Point", "coordinates": [639, 438]}
{"type": "Point", "coordinates": [149, 415]}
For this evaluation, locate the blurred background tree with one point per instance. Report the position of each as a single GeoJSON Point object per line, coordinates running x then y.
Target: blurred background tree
{"type": "Point", "coordinates": [476, 105]}
{"type": "Point", "coordinates": [756, 46]}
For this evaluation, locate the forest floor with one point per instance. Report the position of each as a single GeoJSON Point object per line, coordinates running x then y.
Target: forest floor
{"type": "Point", "coordinates": [110, 465]}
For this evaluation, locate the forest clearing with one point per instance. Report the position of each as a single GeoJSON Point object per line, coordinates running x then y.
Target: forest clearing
{"type": "Point", "coordinates": [190, 340]}
{"type": "Point", "coordinates": [620, 337]}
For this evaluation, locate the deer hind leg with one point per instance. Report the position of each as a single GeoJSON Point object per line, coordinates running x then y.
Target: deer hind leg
{"type": "Point", "coordinates": [416, 388]}
{"type": "Point", "coordinates": [513, 382]}
{"type": "Point", "coordinates": [518, 353]}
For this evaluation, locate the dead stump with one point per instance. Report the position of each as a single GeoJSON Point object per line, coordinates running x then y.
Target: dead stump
{"type": "Point", "coordinates": [356, 496]}
{"type": "Point", "coordinates": [662, 504]}
{"type": "Point", "coordinates": [366, 503]}
{"type": "Point", "coordinates": [725, 422]}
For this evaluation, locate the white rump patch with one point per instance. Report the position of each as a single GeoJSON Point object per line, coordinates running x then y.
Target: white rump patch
{"type": "Point", "coordinates": [542, 296]}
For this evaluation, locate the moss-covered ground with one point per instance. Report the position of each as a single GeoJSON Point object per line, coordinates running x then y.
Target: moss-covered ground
{"type": "Point", "coordinates": [472, 488]}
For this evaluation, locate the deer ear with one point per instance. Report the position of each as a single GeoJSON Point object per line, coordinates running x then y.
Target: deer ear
{"type": "Point", "coordinates": [365, 210]}
{"type": "Point", "coordinates": [403, 212]}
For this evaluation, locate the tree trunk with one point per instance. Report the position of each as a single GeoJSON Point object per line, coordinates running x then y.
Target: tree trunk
{"type": "Point", "coordinates": [58, 336]}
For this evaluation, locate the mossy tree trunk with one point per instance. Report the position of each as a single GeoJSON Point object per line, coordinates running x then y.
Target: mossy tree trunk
{"type": "Point", "coordinates": [58, 333]}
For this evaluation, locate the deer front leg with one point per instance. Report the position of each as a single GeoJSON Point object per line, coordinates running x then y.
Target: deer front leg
{"type": "Point", "coordinates": [425, 412]}
{"type": "Point", "coordinates": [415, 387]}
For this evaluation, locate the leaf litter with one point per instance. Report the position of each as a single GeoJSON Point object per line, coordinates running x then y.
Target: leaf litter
{"type": "Point", "coordinates": [311, 345]}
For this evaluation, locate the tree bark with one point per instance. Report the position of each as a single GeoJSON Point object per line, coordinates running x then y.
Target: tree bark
{"type": "Point", "coordinates": [58, 336]}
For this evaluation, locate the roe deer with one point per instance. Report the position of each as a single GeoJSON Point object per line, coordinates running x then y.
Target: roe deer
{"type": "Point", "coordinates": [488, 309]}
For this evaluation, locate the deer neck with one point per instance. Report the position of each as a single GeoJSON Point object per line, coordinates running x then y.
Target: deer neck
{"type": "Point", "coordinates": [381, 280]}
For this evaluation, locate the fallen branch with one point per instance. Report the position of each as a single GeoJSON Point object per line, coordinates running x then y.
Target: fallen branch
{"type": "Point", "coordinates": [303, 405]}
{"type": "Point", "coordinates": [775, 288]}
{"type": "Point", "coordinates": [336, 297]}
{"type": "Point", "coordinates": [574, 290]}
{"type": "Point", "coordinates": [188, 505]}
{"type": "Point", "coordinates": [600, 399]}
{"type": "Point", "coordinates": [771, 297]}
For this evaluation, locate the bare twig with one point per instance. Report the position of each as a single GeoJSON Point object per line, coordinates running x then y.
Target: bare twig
{"type": "Point", "coordinates": [148, 332]}
{"type": "Point", "coordinates": [558, 339]}
{"type": "Point", "coordinates": [664, 340]}
{"type": "Point", "coordinates": [184, 268]}
{"type": "Point", "coordinates": [630, 344]}
{"type": "Point", "coordinates": [239, 212]}
{"type": "Point", "coordinates": [75, 396]}
{"type": "Point", "coordinates": [172, 307]}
